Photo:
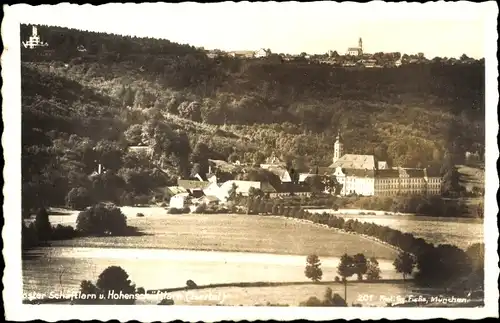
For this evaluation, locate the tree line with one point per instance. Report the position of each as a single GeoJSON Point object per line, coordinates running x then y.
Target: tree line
{"type": "Point", "coordinates": [454, 263]}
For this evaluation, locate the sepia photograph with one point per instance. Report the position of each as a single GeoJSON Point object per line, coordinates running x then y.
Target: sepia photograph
{"type": "Point", "coordinates": [250, 160]}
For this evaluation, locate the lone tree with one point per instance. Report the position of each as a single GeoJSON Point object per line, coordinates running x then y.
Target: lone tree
{"type": "Point", "coordinates": [360, 263]}
{"type": "Point", "coordinates": [115, 280]}
{"type": "Point", "coordinates": [232, 193]}
{"type": "Point", "coordinates": [475, 254]}
{"type": "Point", "coordinates": [42, 225]}
{"type": "Point", "coordinates": [373, 270]}
{"type": "Point", "coordinates": [404, 264]}
{"type": "Point", "coordinates": [313, 270]}
{"type": "Point", "coordinates": [101, 219]}
{"type": "Point", "coordinates": [78, 198]}
{"type": "Point", "coordinates": [112, 281]}
{"type": "Point", "coordinates": [346, 268]}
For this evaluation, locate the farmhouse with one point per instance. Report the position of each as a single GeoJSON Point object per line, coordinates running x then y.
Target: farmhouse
{"type": "Point", "coordinates": [242, 54]}
{"type": "Point", "coordinates": [195, 188]}
{"type": "Point", "coordinates": [286, 189]}
{"type": "Point", "coordinates": [262, 53]}
{"type": "Point", "coordinates": [273, 161]}
{"type": "Point", "coordinates": [179, 201]}
{"type": "Point", "coordinates": [243, 188]}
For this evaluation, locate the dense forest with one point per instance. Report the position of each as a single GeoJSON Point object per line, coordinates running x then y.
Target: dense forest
{"type": "Point", "coordinates": [87, 96]}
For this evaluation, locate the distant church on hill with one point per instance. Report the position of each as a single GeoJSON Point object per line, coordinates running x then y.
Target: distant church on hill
{"type": "Point", "coordinates": [365, 175]}
{"type": "Point", "coordinates": [356, 51]}
{"type": "Point", "coordinates": [34, 40]}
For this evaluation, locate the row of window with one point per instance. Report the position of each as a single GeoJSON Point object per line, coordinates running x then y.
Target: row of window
{"type": "Point", "coordinates": [397, 192]}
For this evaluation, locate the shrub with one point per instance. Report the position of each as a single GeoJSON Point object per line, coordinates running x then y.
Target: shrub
{"type": "Point", "coordinates": [337, 279]}
{"type": "Point", "coordinates": [373, 270]}
{"type": "Point", "coordinates": [174, 210]}
{"type": "Point", "coordinates": [29, 236]}
{"type": "Point", "coordinates": [329, 299]}
{"type": "Point", "coordinates": [42, 225]}
{"type": "Point", "coordinates": [142, 200]}
{"type": "Point", "coordinates": [191, 284]}
{"type": "Point", "coordinates": [115, 279]}
{"type": "Point", "coordinates": [78, 198]}
{"type": "Point", "coordinates": [112, 280]}
{"type": "Point", "coordinates": [140, 215]}
{"type": "Point", "coordinates": [166, 301]}
{"type": "Point", "coordinates": [63, 232]}
{"type": "Point", "coordinates": [201, 208]}
{"type": "Point", "coordinates": [101, 219]}
{"type": "Point", "coordinates": [312, 301]}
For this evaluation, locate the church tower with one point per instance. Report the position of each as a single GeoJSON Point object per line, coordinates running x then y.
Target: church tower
{"type": "Point", "coordinates": [338, 148]}
{"type": "Point", "coordinates": [360, 44]}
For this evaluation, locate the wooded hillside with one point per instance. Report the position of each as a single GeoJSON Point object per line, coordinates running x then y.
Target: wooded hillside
{"type": "Point", "coordinates": [88, 105]}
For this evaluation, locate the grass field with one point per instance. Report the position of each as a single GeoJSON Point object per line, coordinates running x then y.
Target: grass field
{"type": "Point", "coordinates": [367, 294]}
{"type": "Point", "coordinates": [222, 232]}
{"type": "Point", "coordinates": [471, 176]}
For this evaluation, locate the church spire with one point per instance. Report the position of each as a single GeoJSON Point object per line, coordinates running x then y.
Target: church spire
{"type": "Point", "coordinates": [338, 138]}
{"type": "Point", "coordinates": [338, 148]}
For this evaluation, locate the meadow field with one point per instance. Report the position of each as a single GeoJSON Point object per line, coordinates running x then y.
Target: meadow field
{"type": "Point", "coordinates": [222, 249]}
{"type": "Point", "coordinates": [367, 294]}
{"type": "Point", "coordinates": [461, 232]}
{"type": "Point", "coordinates": [223, 232]}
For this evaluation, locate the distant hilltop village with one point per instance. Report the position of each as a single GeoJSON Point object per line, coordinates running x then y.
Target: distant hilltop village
{"type": "Point", "coordinates": [354, 56]}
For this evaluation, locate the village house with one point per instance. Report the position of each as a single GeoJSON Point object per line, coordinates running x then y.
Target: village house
{"type": "Point", "coordinates": [174, 190]}
{"type": "Point", "coordinates": [208, 200]}
{"type": "Point", "coordinates": [273, 161]}
{"type": "Point", "coordinates": [243, 188]}
{"type": "Point", "coordinates": [287, 189]}
{"type": "Point", "coordinates": [242, 54]}
{"type": "Point", "coordinates": [369, 63]}
{"type": "Point", "coordinates": [262, 53]}
{"type": "Point", "coordinates": [195, 188]}
{"type": "Point", "coordinates": [179, 201]}
{"type": "Point", "coordinates": [213, 189]}
{"type": "Point", "coordinates": [282, 173]}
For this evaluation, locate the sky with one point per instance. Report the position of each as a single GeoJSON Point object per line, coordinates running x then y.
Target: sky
{"type": "Point", "coordinates": [436, 29]}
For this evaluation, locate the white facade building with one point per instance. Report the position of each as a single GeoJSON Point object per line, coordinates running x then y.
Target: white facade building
{"type": "Point", "coordinates": [364, 175]}
{"type": "Point", "coordinates": [34, 40]}
{"type": "Point", "coordinates": [356, 51]}
{"type": "Point", "coordinates": [262, 53]}
{"type": "Point", "coordinates": [179, 201]}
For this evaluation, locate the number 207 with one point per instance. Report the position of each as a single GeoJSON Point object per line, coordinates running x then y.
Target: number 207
{"type": "Point", "coordinates": [365, 298]}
